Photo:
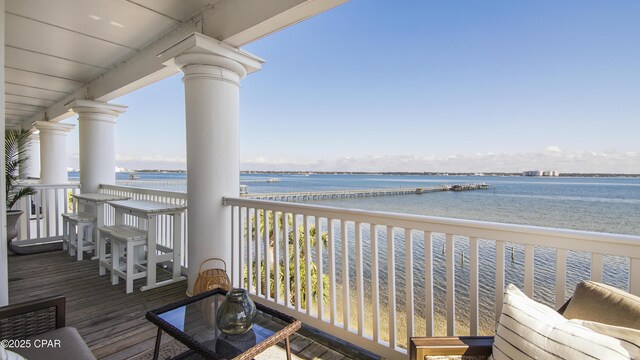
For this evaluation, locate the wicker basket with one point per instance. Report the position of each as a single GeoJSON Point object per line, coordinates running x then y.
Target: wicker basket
{"type": "Point", "coordinates": [211, 279]}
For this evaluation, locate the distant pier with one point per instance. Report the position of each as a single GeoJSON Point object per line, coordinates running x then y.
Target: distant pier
{"type": "Point", "coordinates": [260, 180]}
{"type": "Point", "coordinates": [345, 194]}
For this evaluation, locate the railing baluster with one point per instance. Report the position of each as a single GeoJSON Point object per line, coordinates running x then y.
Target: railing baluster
{"type": "Point", "coordinates": [57, 217]}
{"type": "Point", "coordinates": [528, 270]}
{"type": "Point", "coordinates": [287, 278]}
{"type": "Point", "coordinates": [257, 220]}
{"type": "Point", "coordinates": [391, 287]}
{"type": "Point", "coordinates": [276, 262]}
{"type": "Point", "coordinates": [373, 234]}
{"type": "Point", "coordinates": [332, 271]}
{"type": "Point", "coordinates": [451, 285]}
{"type": "Point", "coordinates": [319, 270]}
{"type": "Point", "coordinates": [234, 244]}
{"type": "Point", "coordinates": [499, 277]}
{"type": "Point", "coordinates": [39, 205]}
{"type": "Point", "coordinates": [596, 267]}
{"type": "Point", "coordinates": [296, 259]}
{"type": "Point", "coordinates": [241, 236]}
{"type": "Point", "coordinates": [634, 276]}
{"type": "Point", "coordinates": [561, 276]}
{"type": "Point", "coordinates": [473, 286]}
{"type": "Point", "coordinates": [307, 264]}
{"type": "Point", "coordinates": [345, 275]}
{"type": "Point", "coordinates": [249, 243]}
{"type": "Point", "coordinates": [428, 281]}
{"type": "Point", "coordinates": [267, 256]}
{"type": "Point", "coordinates": [409, 282]}
{"type": "Point", "coordinates": [359, 278]}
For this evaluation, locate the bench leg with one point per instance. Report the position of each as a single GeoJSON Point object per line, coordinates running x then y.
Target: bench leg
{"type": "Point", "coordinates": [72, 239]}
{"type": "Point", "coordinates": [115, 262]}
{"type": "Point", "coordinates": [80, 242]}
{"type": "Point", "coordinates": [102, 251]}
{"type": "Point", "coordinates": [65, 234]}
{"type": "Point", "coordinates": [131, 259]}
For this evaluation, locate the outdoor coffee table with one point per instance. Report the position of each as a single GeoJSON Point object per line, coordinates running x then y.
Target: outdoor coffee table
{"type": "Point", "coordinates": [193, 323]}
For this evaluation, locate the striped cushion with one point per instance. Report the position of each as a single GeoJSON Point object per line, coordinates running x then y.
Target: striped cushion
{"type": "Point", "coordinates": [528, 329]}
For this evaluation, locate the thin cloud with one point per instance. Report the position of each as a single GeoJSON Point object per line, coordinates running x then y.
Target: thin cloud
{"type": "Point", "coordinates": [552, 158]}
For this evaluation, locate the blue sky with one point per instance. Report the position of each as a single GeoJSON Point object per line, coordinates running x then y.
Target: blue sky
{"type": "Point", "coordinates": [424, 86]}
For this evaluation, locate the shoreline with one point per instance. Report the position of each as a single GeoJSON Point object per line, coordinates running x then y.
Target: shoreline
{"type": "Point", "coordinates": [396, 173]}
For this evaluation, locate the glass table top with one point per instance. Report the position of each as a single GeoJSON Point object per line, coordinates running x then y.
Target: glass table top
{"type": "Point", "coordinates": [193, 322]}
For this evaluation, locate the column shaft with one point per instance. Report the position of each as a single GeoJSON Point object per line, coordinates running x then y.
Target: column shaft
{"type": "Point", "coordinates": [213, 161]}
{"type": "Point", "coordinates": [53, 151]}
{"type": "Point", "coordinates": [32, 169]}
{"type": "Point", "coordinates": [96, 121]}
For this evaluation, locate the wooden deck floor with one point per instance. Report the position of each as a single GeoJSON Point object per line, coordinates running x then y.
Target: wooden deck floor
{"type": "Point", "coordinates": [111, 322]}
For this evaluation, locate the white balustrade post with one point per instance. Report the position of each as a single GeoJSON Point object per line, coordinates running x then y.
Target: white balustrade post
{"type": "Point", "coordinates": [212, 73]}
{"type": "Point", "coordinates": [97, 122]}
{"type": "Point", "coordinates": [53, 170]}
{"type": "Point", "coordinates": [32, 168]}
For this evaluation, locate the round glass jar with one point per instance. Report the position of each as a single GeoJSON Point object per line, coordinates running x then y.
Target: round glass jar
{"type": "Point", "coordinates": [235, 315]}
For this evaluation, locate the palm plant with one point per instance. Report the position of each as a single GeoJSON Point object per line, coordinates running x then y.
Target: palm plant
{"type": "Point", "coordinates": [289, 240]}
{"type": "Point", "coordinates": [15, 152]}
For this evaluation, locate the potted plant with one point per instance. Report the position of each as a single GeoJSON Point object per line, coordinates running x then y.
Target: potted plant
{"type": "Point", "coordinates": [15, 152]}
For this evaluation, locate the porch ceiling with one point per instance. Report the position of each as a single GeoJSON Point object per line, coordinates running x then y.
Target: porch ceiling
{"type": "Point", "coordinates": [57, 51]}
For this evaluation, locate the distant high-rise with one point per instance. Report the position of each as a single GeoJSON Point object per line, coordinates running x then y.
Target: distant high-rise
{"type": "Point", "coordinates": [540, 173]}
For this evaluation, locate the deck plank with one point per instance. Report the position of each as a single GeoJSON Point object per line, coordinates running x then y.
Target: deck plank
{"type": "Point", "coordinates": [110, 321]}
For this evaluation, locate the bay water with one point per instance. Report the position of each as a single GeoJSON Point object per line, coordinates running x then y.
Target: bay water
{"type": "Point", "coordinates": [600, 204]}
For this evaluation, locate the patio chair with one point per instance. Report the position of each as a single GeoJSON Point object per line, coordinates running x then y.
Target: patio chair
{"type": "Point", "coordinates": [40, 325]}
{"type": "Point", "coordinates": [591, 301]}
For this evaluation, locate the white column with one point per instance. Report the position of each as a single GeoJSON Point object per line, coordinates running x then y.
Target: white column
{"type": "Point", "coordinates": [97, 122]}
{"type": "Point", "coordinates": [4, 276]}
{"type": "Point", "coordinates": [53, 155]}
{"type": "Point", "coordinates": [212, 74]}
{"type": "Point", "coordinates": [32, 169]}
{"type": "Point", "coordinates": [53, 151]}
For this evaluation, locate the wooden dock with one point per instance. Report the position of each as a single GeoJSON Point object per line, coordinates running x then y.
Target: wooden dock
{"type": "Point", "coordinates": [259, 180]}
{"type": "Point", "coordinates": [345, 194]}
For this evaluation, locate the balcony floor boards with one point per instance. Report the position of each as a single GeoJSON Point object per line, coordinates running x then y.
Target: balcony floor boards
{"type": "Point", "coordinates": [112, 322]}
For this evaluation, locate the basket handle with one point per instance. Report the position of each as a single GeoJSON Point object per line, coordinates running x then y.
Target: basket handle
{"type": "Point", "coordinates": [211, 259]}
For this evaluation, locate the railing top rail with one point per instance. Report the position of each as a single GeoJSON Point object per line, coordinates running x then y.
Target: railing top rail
{"type": "Point", "coordinates": [627, 245]}
{"type": "Point", "coordinates": [175, 194]}
{"type": "Point", "coordinates": [69, 185]}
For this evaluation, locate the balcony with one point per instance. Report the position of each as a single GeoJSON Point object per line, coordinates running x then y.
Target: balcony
{"type": "Point", "coordinates": [385, 276]}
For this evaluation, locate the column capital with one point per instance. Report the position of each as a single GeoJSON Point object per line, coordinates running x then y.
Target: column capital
{"type": "Point", "coordinates": [35, 136]}
{"type": "Point", "coordinates": [52, 127]}
{"type": "Point", "coordinates": [82, 107]}
{"type": "Point", "coordinates": [200, 50]}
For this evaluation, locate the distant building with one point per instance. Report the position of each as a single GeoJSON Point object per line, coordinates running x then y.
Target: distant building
{"type": "Point", "coordinates": [540, 173]}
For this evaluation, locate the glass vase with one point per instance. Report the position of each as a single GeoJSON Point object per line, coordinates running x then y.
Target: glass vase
{"type": "Point", "coordinates": [235, 315]}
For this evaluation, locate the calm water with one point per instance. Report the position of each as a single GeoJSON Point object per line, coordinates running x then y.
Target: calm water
{"type": "Point", "coordinates": [592, 204]}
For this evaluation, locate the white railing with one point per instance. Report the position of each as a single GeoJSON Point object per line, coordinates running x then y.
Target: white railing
{"type": "Point", "coordinates": [387, 276]}
{"type": "Point", "coordinates": [165, 223]}
{"type": "Point", "coordinates": [41, 221]}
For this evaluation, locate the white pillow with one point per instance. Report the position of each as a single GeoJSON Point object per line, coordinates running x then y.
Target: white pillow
{"type": "Point", "coordinates": [630, 338]}
{"type": "Point", "coordinates": [528, 329]}
{"type": "Point", "coordinates": [9, 355]}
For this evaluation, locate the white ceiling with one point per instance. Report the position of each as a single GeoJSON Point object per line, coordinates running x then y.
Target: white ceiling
{"type": "Point", "coordinates": [54, 47]}
{"type": "Point", "coordinates": [56, 51]}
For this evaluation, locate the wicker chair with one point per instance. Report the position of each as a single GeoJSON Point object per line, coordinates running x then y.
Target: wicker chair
{"type": "Point", "coordinates": [42, 320]}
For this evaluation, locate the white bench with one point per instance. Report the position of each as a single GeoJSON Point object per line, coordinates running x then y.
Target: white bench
{"type": "Point", "coordinates": [74, 228]}
{"type": "Point", "coordinates": [127, 258]}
